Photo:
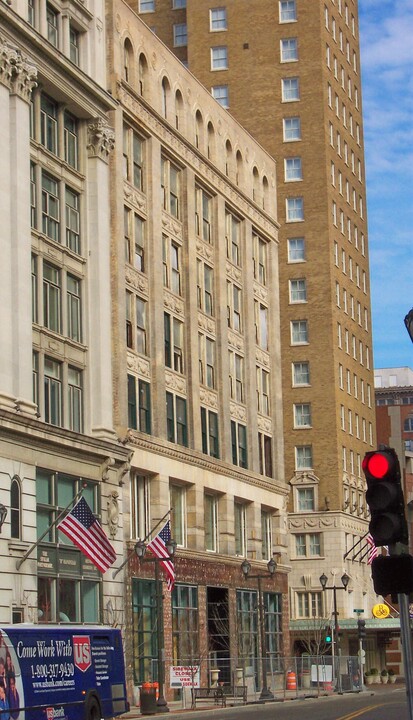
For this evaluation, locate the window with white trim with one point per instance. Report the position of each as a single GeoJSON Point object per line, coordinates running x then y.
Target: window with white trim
{"type": "Point", "coordinates": [294, 209]}
{"type": "Point", "coordinates": [301, 373]}
{"type": "Point", "coordinates": [176, 420]}
{"type": "Point", "coordinates": [171, 259]}
{"type": "Point", "coordinates": [293, 169]}
{"type": "Point", "coordinates": [288, 11]}
{"type": "Point", "coordinates": [209, 432]}
{"type": "Point", "coordinates": [203, 214]}
{"type": "Point", "coordinates": [298, 290]}
{"type": "Point", "coordinates": [219, 58]}
{"type": "Point", "coordinates": [174, 343]}
{"type": "Point", "coordinates": [303, 457]}
{"type": "Point", "coordinates": [291, 129]}
{"type": "Point", "coordinates": [170, 175]}
{"type": "Point", "coordinates": [290, 89]}
{"type": "Point", "coordinates": [234, 306]}
{"type": "Point", "coordinates": [135, 243]}
{"type": "Point", "coordinates": [177, 501]}
{"type": "Point", "coordinates": [206, 348]}
{"type": "Point", "coordinates": [266, 535]}
{"type": "Point", "coordinates": [299, 332]}
{"type": "Point", "coordinates": [302, 415]}
{"type": "Point", "coordinates": [236, 376]}
{"type": "Point", "coordinates": [240, 528]}
{"type": "Point", "coordinates": [239, 444]}
{"type": "Point", "coordinates": [221, 94]}
{"type": "Point", "coordinates": [296, 249]}
{"type": "Point", "coordinates": [211, 522]}
{"type": "Point", "coordinates": [218, 19]}
{"type": "Point", "coordinates": [180, 33]}
{"type": "Point", "coordinates": [263, 390]}
{"type": "Point", "coordinates": [289, 49]}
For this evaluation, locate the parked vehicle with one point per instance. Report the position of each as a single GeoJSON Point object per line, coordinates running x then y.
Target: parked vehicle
{"type": "Point", "coordinates": [57, 672]}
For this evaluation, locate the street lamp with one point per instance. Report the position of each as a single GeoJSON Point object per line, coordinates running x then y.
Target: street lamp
{"type": "Point", "coordinates": [345, 581]}
{"type": "Point", "coordinates": [140, 550]}
{"type": "Point", "coordinates": [266, 694]}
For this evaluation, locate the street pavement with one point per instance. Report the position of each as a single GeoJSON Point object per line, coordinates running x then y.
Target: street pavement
{"type": "Point", "coordinates": [175, 707]}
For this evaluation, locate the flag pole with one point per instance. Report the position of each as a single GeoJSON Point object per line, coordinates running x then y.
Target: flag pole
{"type": "Point", "coordinates": [132, 552]}
{"type": "Point", "coordinates": [20, 562]}
{"type": "Point", "coordinates": [354, 546]}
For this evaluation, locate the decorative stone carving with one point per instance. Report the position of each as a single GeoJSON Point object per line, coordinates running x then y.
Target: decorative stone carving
{"type": "Point", "coordinates": [175, 382]}
{"type": "Point", "coordinates": [101, 138]}
{"type": "Point", "coordinates": [206, 323]}
{"type": "Point", "coordinates": [113, 513]}
{"type": "Point", "coordinates": [16, 72]}
{"type": "Point", "coordinates": [237, 412]}
{"type": "Point", "coordinates": [173, 303]}
{"type": "Point", "coordinates": [304, 477]}
{"type": "Point", "coordinates": [264, 424]}
{"type": "Point", "coordinates": [208, 398]}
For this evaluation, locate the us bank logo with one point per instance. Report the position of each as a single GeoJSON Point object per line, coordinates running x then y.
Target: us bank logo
{"type": "Point", "coordinates": [82, 652]}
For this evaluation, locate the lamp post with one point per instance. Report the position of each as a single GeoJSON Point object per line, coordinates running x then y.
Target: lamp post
{"type": "Point", "coordinates": [266, 694]}
{"type": "Point", "coordinates": [345, 581]}
{"type": "Point", "coordinates": [3, 515]}
{"type": "Point", "coordinates": [140, 550]}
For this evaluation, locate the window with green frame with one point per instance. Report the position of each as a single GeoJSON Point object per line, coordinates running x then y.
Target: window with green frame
{"type": "Point", "coordinates": [273, 627]}
{"type": "Point", "coordinates": [185, 635]}
{"type": "Point", "coordinates": [144, 629]}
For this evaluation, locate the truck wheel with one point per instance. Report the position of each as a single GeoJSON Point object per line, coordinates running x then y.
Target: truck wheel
{"type": "Point", "coordinates": [93, 710]}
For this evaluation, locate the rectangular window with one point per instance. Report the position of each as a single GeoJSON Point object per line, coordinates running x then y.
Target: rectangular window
{"type": "Point", "coordinates": [133, 154]}
{"type": "Point", "coordinates": [302, 415]}
{"type": "Point", "coordinates": [176, 4]}
{"type": "Point", "coordinates": [209, 430]}
{"type": "Point", "coordinates": [300, 546]}
{"type": "Point", "coordinates": [170, 187]}
{"type": "Point", "coordinates": [174, 349]}
{"type": "Point", "coordinates": [293, 169]}
{"type": "Point", "coordinates": [50, 207]}
{"type": "Point", "coordinates": [309, 605]}
{"type": "Point", "coordinates": [296, 249]}
{"type": "Point", "coordinates": [239, 444]}
{"type": "Point", "coordinates": [203, 212]}
{"type": "Point", "coordinates": [141, 326]}
{"type": "Point", "coordinates": [177, 501]}
{"type": "Point", "coordinates": [72, 208]}
{"type": "Point", "coordinates": [52, 298]}
{"type": "Point", "coordinates": [219, 58]}
{"type": "Point", "coordinates": [176, 421]}
{"type": "Point", "coordinates": [288, 11]}
{"type": "Point", "coordinates": [185, 630]}
{"type": "Point", "coordinates": [31, 13]}
{"type": "Point", "coordinates": [75, 399]}
{"type": "Point", "coordinates": [70, 136]}
{"type": "Point", "coordinates": [236, 376]}
{"type": "Point", "coordinates": [74, 308]}
{"type": "Point", "coordinates": [295, 209]}
{"type": "Point", "coordinates": [261, 325]}
{"type": "Point", "coordinates": [52, 25]}
{"type": "Point", "coordinates": [290, 89]}
{"type": "Point", "coordinates": [291, 129]}
{"type": "Point", "coordinates": [144, 624]}
{"type": "Point", "coordinates": [265, 454]}
{"type": "Point", "coordinates": [218, 19]}
{"type": "Point", "coordinates": [233, 238]}
{"type": "Point", "coordinates": [205, 287]}
{"type": "Point", "coordinates": [289, 49]}
{"type": "Point", "coordinates": [301, 373]}
{"type": "Point", "coordinates": [140, 505]}
{"type": "Point", "coordinates": [221, 94]}
{"type": "Point", "coordinates": [74, 36]}
{"type": "Point", "coordinates": [180, 35]}
{"type": "Point", "coordinates": [139, 407]}
{"type": "Point", "coordinates": [303, 457]}
{"type": "Point", "coordinates": [48, 123]}
{"type": "Point", "coordinates": [263, 391]}
{"type": "Point", "coordinates": [211, 522]}
{"type": "Point", "coordinates": [234, 300]}
{"type": "Point", "coordinates": [146, 6]}
{"type": "Point", "coordinates": [171, 257]}
{"type": "Point", "coordinates": [206, 348]}
{"type": "Point", "coordinates": [298, 291]}
{"type": "Point", "coordinates": [299, 332]}
{"type": "Point", "coordinates": [266, 535]}
{"type": "Point", "coordinates": [305, 499]}
{"type": "Point", "coordinates": [260, 259]}
{"type": "Point", "coordinates": [240, 529]}
{"type": "Point", "coordinates": [53, 399]}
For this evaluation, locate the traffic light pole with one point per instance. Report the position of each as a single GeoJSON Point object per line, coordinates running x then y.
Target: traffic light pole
{"type": "Point", "coordinates": [406, 639]}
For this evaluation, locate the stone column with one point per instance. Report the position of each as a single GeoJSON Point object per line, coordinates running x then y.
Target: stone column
{"type": "Point", "coordinates": [101, 141]}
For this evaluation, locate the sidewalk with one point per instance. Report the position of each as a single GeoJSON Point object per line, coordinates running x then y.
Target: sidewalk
{"type": "Point", "coordinates": [175, 706]}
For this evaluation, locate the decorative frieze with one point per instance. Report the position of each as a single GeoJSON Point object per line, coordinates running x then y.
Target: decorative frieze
{"type": "Point", "coordinates": [173, 303]}
{"type": "Point", "coordinates": [177, 383]}
{"type": "Point", "coordinates": [136, 280]}
{"type": "Point", "coordinates": [134, 197]}
{"type": "Point", "coordinates": [139, 365]}
{"type": "Point", "coordinates": [208, 398]}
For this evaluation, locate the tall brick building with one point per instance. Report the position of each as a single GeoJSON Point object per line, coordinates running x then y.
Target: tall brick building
{"type": "Point", "coordinates": [289, 71]}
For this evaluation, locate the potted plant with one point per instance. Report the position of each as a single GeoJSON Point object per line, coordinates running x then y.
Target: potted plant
{"type": "Point", "coordinates": [376, 675]}
{"type": "Point", "coordinates": [384, 676]}
{"type": "Point", "coordinates": [392, 675]}
{"type": "Point", "coordinates": [368, 677]}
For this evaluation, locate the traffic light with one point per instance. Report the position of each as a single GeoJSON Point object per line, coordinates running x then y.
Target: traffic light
{"type": "Point", "coordinates": [328, 636]}
{"type": "Point", "coordinates": [385, 497]}
{"type": "Point", "coordinates": [361, 626]}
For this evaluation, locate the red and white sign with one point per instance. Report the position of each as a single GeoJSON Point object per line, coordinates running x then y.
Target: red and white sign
{"type": "Point", "coordinates": [82, 652]}
{"type": "Point", "coordinates": [184, 676]}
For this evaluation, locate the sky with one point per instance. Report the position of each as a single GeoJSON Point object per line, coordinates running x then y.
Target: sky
{"type": "Point", "coordinates": [386, 39]}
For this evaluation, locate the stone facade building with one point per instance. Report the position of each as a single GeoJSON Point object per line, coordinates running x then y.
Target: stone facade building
{"type": "Point", "coordinates": [289, 72]}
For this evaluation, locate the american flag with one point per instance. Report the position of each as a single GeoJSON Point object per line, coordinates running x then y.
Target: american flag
{"type": "Point", "coordinates": [158, 547]}
{"type": "Point", "coordinates": [373, 552]}
{"type": "Point", "coordinates": [81, 526]}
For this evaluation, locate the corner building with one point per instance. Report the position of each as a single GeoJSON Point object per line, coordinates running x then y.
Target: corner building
{"type": "Point", "coordinates": [289, 72]}
{"type": "Point", "coordinates": [196, 355]}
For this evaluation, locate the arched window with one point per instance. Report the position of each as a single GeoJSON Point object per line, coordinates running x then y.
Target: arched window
{"type": "Point", "coordinates": [165, 96]}
{"type": "Point", "coordinates": [15, 508]}
{"type": "Point", "coordinates": [228, 159]}
{"type": "Point", "coordinates": [255, 185]}
{"type": "Point", "coordinates": [199, 127]}
{"type": "Point", "coordinates": [127, 61]}
{"type": "Point", "coordinates": [143, 75]}
{"type": "Point", "coordinates": [179, 106]}
{"type": "Point", "coordinates": [211, 141]}
{"type": "Point", "coordinates": [265, 193]}
{"type": "Point", "coordinates": [240, 169]}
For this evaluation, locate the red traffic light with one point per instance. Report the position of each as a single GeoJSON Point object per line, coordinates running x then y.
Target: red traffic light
{"type": "Point", "coordinates": [378, 464]}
